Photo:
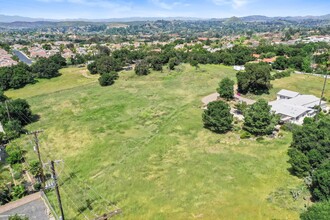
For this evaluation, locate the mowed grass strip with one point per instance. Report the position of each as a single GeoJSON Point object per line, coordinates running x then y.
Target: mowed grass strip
{"type": "Point", "coordinates": [141, 144]}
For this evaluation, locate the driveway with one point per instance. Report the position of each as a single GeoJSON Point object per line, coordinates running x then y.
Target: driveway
{"type": "Point", "coordinates": [242, 99]}
{"type": "Point", "coordinates": [210, 98]}
{"type": "Point", "coordinates": [214, 96]}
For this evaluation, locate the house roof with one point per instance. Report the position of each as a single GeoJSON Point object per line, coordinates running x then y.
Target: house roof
{"type": "Point", "coordinates": [308, 101]}
{"type": "Point", "coordinates": [288, 93]}
{"type": "Point", "coordinates": [284, 108]}
{"type": "Point", "coordinates": [295, 106]}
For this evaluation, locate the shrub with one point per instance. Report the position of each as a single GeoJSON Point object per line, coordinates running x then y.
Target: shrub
{"type": "Point", "coordinates": [37, 186]}
{"type": "Point", "coordinates": [108, 79]}
{"type": "Point", "coordinates": [259, 139]}
{"type": "Point", "coordinates": [245, 135]}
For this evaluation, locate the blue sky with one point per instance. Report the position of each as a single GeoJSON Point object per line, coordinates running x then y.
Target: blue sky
{"type": "Point", "coordinates": [95, 9]}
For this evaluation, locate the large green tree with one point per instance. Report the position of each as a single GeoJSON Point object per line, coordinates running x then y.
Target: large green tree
{"type": "Point", "coordinates": [255, 79]}
{"type": "Point", "coordinates": [217, 117]}
{"type": "Point", "coordinates": [318, 211]}
{"type": "Point", "coordinates": [226, 88]}
{"type": "Point", "coordinates": [321, 182]}
{"type": "Point", "coordinates": [258, 119]}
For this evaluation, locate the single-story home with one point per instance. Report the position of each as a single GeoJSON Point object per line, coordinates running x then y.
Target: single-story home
{"type": "Point", "coordinates": [294, 107]}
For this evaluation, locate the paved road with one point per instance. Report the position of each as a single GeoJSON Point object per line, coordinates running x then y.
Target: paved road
{"type": "Point", "coordinates": [22, 57]}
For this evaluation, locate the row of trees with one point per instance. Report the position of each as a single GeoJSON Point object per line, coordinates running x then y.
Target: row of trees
{"type": "Point", "coordinates": [258, 120]}
{"type": "Point", "coordinates": [20, 75]}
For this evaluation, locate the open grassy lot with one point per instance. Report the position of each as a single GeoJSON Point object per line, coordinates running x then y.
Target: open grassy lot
{"type": "Point", "coordinates": [141, 144]}
{"type": "Point", "coordinates": [305, 84]}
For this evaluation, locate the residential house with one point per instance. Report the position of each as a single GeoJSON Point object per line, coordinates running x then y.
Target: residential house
{"type": "Point", "coordinates": [294, 107]}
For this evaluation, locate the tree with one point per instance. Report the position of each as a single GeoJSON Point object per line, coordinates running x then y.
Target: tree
{"type": "Point", "coordinates": [319, 211]}
{"type": "Point", "coordinates": [281, 63]}
{"type": "Point", "coordinates": [299, 163]}
{"type": "Point", "coordinates": [310, 146]}
{"type": "Point", "coordinates": [226, 89]}
{"type": "Point", "coordinates": [321, 182]}
{"type": "Point", "coordinates": [45, 68]}
{"type": "Point", "coordinates": [13, 129]}
{"type": "Point", "coordinates": [256, 78]}
{"type": "Point", "coordinates": [258, 119]}
{"type": "Point", "coordinates": [108, 79]}
{"type": "Point", "coordinates": [217, 117]}
{"type": "Point", "coordinates": [142, 68]}
{"type": "Point", "coordinates": [106, 64]}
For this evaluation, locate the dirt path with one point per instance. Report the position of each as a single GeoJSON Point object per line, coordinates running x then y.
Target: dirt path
{"type": "Point", "coordinates": [85, 74]}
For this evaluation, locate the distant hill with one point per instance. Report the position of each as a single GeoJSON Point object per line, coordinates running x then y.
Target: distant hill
{"type": "Point", "coordinates": [10, 19]}
{"type": "Point", "coordinates": [252, 18]}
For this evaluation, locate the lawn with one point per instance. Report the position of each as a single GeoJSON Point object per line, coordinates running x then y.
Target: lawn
{"type": "Point", "coordinates": [304, 84]}
{"type": "Point", "coordinates": [141, 145]}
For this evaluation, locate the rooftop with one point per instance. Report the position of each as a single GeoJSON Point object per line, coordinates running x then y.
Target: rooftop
{"type": "Point", "coordinates": [288, 93]}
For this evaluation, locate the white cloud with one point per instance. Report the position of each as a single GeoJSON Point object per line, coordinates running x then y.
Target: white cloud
{"type": "Point", "coordinates": [234, 3]}
{"type": "Point", "coordinates": [168, 5]}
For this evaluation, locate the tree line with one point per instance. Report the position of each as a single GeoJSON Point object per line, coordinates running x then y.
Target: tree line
{"type": "Point", "coordinates": [15, 77]}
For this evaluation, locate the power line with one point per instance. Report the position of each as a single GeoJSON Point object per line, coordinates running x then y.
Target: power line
{"type": "Point", "coordinates": [69, 198]}
{"type": "Point", "coordinates": [83, 190]}
{"type": "Point", "coordinates": [95, 192]}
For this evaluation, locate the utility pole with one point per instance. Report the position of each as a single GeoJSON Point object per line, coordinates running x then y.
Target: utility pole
{"type": "Point", "coordinates": [36, 140]}
{"type": "Point", "coordinates": [56, 189]}
{"type": "Point", "coordinates": [324, 85]}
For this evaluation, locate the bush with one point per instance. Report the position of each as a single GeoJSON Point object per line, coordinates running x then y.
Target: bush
{"type": "Point", "coordinates": [259, 139]}
{"type": "Point", "coordinates": [245, 135]}
{"type": "Point", "coordinates": [17, 217]}
{"type": "Point", "coordinates": [108, 79]}
{"type": "Point", "coordinates": [142, 68]}
{"type": "Point", "coordinates": [34, 168]}
{"type": "Point", "coordinates": [279, 75]}
{"type": "Point", "coordinates": [37, 186]}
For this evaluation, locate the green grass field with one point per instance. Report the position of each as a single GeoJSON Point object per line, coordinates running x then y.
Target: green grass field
{"type": "Point", "coordinates": [305, 84]}
{"type": "Point", "coordinates": [141, 144]}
